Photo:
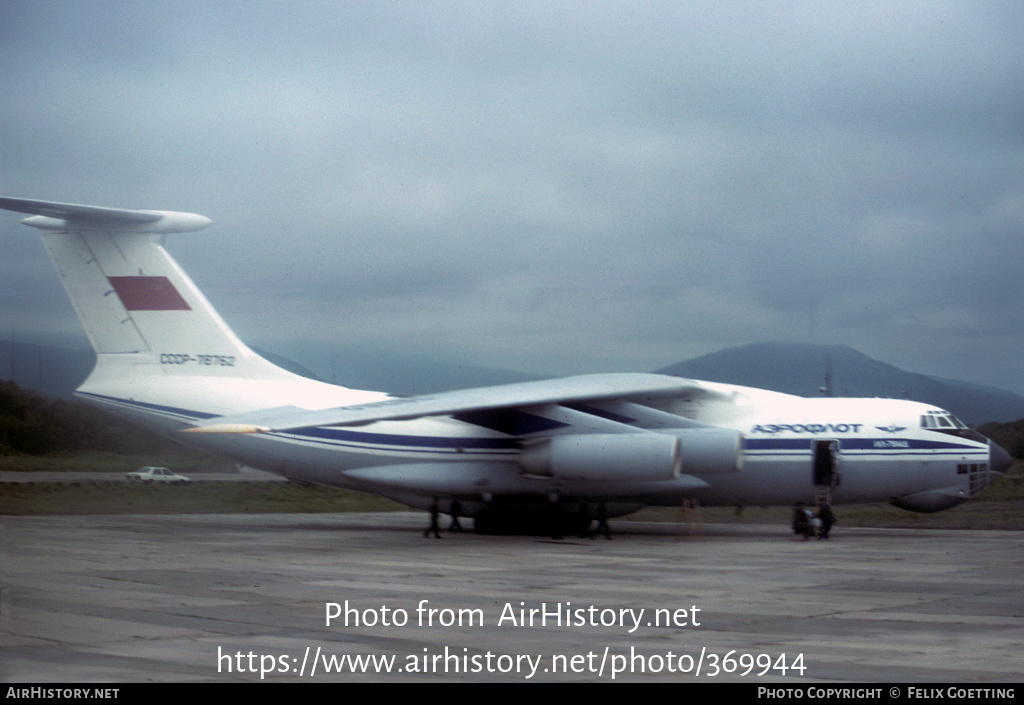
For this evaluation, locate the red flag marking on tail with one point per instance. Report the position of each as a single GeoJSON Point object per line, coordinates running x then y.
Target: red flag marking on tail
{"type": "Point", "coordinates": [148, 294]}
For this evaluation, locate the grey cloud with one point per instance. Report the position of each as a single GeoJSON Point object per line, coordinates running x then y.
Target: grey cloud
{"type": "Point", "coordinates": [555, 187]}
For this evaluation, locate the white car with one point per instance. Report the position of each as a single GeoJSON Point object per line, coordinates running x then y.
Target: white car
{"type": "Point", "coordinates": [151, 474]}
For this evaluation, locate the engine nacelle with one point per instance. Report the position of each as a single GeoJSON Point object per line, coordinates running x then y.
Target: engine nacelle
{"type": "Point", "coordinates": [605, 456]}
{"type": "Point", "coordinates": [644, 457]}
{"type": "Point", "coordinates": [710, 450]}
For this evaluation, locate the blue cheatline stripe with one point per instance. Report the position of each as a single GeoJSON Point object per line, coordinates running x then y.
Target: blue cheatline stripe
{"type": "Point", "coordinates": [876, 445]}
{"type": "Point", "coordinates": [448, 442]}
{"type": "Point", "coordinates": [186, 414]}
{"type": "Point", "coordinates": [336, 436]}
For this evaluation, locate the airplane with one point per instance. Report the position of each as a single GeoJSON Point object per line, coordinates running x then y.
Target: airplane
{"type": "Point", "coordinates": [166, 360]}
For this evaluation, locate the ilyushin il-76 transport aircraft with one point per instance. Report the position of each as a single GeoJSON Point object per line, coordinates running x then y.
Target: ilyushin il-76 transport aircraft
{"type": "Point", "coordinates": [166, 360]}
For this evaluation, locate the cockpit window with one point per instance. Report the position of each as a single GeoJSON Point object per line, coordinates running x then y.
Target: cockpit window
{"type": "Point", "coordinates": [942, 421]}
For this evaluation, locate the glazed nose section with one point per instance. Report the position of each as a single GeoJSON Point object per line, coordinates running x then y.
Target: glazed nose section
{"type": "Point", "coordinates": [998, 459]}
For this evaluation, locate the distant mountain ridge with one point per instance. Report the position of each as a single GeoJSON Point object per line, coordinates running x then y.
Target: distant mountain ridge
{"type": "Point", "coordinates": [801, 369]}
{"type": "Point", "coordinates": [55, 371]}
{"type": "Point", "coordinates": [793, 368]}
{"type": "Point", "coordinates": [49, 370]}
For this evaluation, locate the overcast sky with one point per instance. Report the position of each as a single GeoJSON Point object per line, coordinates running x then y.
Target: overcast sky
{"type": "Point", "coordinates": [550, 187]}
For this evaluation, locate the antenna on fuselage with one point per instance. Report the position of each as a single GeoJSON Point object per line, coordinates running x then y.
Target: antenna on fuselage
{"type": "Point", "coordinates": [827, 389]}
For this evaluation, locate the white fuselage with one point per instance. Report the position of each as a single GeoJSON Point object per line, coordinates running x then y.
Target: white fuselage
{"type": "Point", "coordinates": [882, 452]}
{"type": "Point", "coordinates": [167, 360]}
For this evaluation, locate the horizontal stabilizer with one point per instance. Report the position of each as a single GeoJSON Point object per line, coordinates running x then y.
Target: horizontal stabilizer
{"type": "Point", "coordinates": [48, 215]}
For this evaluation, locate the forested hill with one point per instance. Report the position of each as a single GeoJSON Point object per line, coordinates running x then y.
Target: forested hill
{"type": "Point", "coordinates": [31, 424]}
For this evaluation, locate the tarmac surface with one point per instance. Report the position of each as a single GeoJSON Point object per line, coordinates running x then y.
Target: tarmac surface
{"type": "Point", "coordinates": [244, 474]}
{"type": "Point", "coordinates": [214, 598]}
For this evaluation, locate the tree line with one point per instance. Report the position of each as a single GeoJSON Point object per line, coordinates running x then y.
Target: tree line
{"type": "Point", "coordinates": [31, 424]}
{"type": "Point", "coordinates": [1009, 435]}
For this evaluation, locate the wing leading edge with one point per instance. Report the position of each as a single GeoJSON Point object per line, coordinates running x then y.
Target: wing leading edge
{"type": "Point", "coordinates": [586, 388]}
{"type": "Point", "coordinates": [50, 215]}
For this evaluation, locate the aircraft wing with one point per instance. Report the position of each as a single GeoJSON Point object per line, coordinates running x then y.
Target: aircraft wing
{"type": "Point", "coordinates": [587, 388]}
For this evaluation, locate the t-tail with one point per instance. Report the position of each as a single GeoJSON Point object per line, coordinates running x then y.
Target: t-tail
{"type": "Point", "coordinates": [161, 348]}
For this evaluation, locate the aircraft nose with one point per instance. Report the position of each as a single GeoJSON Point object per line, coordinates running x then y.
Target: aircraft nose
{"type": "Point", "coordinates": [998, 459]}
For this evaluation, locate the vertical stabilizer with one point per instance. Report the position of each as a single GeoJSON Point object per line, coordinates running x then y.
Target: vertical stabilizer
{"type": "Point", "coordinates": [142, 313]}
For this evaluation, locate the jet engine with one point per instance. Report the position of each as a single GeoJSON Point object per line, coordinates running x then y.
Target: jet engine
{"type": "Point", "coordinates": [649, 457]}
